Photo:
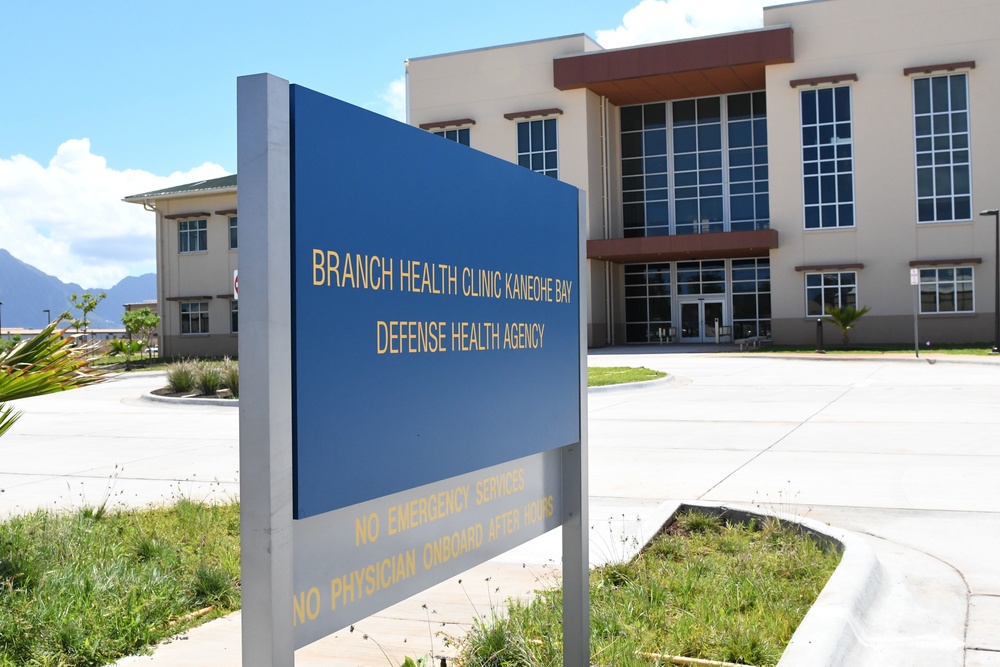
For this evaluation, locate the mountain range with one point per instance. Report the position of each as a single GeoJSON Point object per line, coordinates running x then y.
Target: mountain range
{"type": "Point", "coordinates": [26, 293]}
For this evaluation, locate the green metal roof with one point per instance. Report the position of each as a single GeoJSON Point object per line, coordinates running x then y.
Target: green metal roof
{"type": "Point", "coordinates": [224, 183]}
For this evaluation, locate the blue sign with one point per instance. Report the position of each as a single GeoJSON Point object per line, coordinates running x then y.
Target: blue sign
{"type": "Point", "coordinates": [435, 307]}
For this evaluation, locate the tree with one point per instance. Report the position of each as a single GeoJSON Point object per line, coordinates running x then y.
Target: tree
{"type": "Point", "coordinates": [85, 303]}
{"type": "Point", "coordinates": [141, 324]}
{"type": "Point", "coordinates": [43, 364]}
{"type": "Point", "coordinates": [844, 318]}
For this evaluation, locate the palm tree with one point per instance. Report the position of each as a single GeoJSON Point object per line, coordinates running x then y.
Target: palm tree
{"type": "Point", "coordinates": [845, 318]}
{"type": "Point", "coordinates": [43, 364]}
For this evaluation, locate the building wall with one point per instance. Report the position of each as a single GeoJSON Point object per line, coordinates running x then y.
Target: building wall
{"type": "Point", "coordinates": [877, 40]}
{"type": "Point", "coordinates": [196, 274]}
{"type": "Point", "coordinates": [485, 84]}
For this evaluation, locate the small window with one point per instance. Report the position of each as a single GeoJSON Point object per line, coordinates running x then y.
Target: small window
{"type": "Point", "coordinates": [834, 289]}
{"type": "Point", "coordinates": [194, 317]}
{"type": "Point", "coordinates": [947, 290]}
{"type": "Point", "coordinates": [233, 236]}
{"type": "Point", "coordinates": [234, 316]}
{"type": "Point", "coordinates": [536, 146]}
{"type": "Point", "coordinates": [460, 136]}
{"type": "Point", "coordinates": [193, 235]}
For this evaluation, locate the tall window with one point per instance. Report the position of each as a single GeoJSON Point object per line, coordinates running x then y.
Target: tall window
{"type": "Point", "coordinates": [697, 135]}
{"type": "Point", "coordinates": [645, 193]}
{"type": "Point", "coordinates": [827, 158]}
{"type": "Point", "coordinates": [194, 317]}
{"type": "Point", "coordinates": [233, 233]}
{"type": "Point", "coordinates": [837, 290]}
{"type": "Point", "coordinates": [695, 166]}
{"type": "Point", "coordinates": [941, 129]}
{"type": "Point", "coordinates": [751, 298]}
{"type": "Point", "coordinates": [748, 175]}
{"type": "Point", "coordinates": [536, 146]}
{"type": "Point", "coordinates": [460, 136]}
{"type": "Point", "coordinates": [946, 290]}
{"type": "Point", "coordinates": [647, 301]}
{"type": "Point", "coordinates": [234, 316]}
{"type": "Point", "coordinates": [193, 235]}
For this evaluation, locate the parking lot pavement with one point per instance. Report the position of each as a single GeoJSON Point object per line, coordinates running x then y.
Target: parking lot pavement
{"type": "Point", "coordinates": [901, 451]}
{"type": "Point", "coordinates": [104, 443]}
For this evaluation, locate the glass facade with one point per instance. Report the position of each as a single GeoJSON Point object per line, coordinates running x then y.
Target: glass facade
{"type": "Point", "coordinates": [695, 166]}
{"type": "Point", "coordinates": [647, 301]}
{"type": "Point", "coordinates": [655, 294]}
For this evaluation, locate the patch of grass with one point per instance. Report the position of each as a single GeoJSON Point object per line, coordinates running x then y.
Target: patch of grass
{"type": "Point", "coordinates": [182, 376]}
{"type": "Point", "coordinates": [702, 589]}
{"type": "Point", "coordinates": [599, 376]}
{"type": "Point", "coordinates": [87, 588]}
{"type": "Point", "coordinates": [979, 349]}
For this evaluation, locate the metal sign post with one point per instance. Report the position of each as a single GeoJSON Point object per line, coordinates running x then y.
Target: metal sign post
{"type": "Point", "coordinates": [915, 281]}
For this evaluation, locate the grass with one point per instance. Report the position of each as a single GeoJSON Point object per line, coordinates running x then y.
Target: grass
{"type": "Point", "coordinates": [702, 589]}
{"type": "Point", "coordinates": [599, 376]}
{"type": "Point", "coordinates": [836, 348]}
{"type": "Point", "coordinates": [87, 588]}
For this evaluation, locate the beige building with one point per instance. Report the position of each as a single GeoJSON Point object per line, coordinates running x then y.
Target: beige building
{"type": "Point", "coordinates": [738, 184]}
{"type": "Point", "coordinates": [196, 262]}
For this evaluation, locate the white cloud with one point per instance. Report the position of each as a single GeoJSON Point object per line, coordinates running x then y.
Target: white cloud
{"type": "Point", "coordinates": [68, 220]}
{"type": "Point", "coordinates": [394, 99]}
{"type": "Point", "coordinates": [664, 20]}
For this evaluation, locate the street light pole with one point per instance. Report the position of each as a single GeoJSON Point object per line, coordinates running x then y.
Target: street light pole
{"type": "Point", "coordinates": [1, 319]}
{"type": "Point", "coordinates": [48, 316]}
{"type": "Point", "coordinates": [996, 287]}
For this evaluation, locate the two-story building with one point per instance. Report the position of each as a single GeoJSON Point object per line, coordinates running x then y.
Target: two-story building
{"type": "Point", "coordinates": [196, 263]}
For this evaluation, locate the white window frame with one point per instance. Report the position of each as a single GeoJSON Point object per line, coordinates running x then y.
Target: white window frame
{"type": "Point", "coordinates": [194, 312]}
{"type": "Point", "coordinates": [828, 166]}
{"type": "Point", "coordinates": [460, 135]}
{"type": "Point", "coordinates": [527, 155]}
{"type": "Point", "coordinates": [823, 288]}
{"type": "Point", "coordinates": [935, 143]}
{"type": "Point", "coordinates": [931, 277]}
{"type": "Point", "coordinates": [195, 232]}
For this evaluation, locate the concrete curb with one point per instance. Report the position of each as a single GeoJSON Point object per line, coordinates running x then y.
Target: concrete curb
{"type": "Point", "coordinates": [833, 627]}
{"type": "Point", "coordinates": [218, 402]}
{"type": "Point", "coordinates": [631, 386]}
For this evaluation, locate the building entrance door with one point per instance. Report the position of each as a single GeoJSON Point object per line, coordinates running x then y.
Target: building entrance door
{"type": "Point", "coordinates": [699, 320]}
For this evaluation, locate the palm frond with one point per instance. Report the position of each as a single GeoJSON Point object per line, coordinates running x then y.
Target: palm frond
{"type": "Point", "coordinates": [45, 364]}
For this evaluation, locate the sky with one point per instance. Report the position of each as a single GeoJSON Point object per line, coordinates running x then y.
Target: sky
{"type": "Point", "coordinates": [106, 99]}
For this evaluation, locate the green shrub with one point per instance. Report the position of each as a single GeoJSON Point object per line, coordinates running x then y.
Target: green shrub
{"type": "Point", "coordinates": [181, 377]}
{"type": "Point", "coordinates": [208, 378]}
{"type": "Point", "coordinates": [231, 376]}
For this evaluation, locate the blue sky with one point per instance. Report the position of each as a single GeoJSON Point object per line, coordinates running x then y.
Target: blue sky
{"type": "Point", "coordinates": [108, 98]}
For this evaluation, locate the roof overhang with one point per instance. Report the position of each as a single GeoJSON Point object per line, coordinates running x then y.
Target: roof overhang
{"type": "Point", "coordinates": [717, 65]}
{"type": "Point", "coordinates": [721, 245]}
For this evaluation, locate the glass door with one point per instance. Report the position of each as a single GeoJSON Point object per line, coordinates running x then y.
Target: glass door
{"type": "Point", "coordinates": [700, 319]}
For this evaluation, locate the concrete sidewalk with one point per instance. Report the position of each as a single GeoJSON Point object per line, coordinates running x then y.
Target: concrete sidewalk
{"type": "Point", "coordinates": [903, 453]}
